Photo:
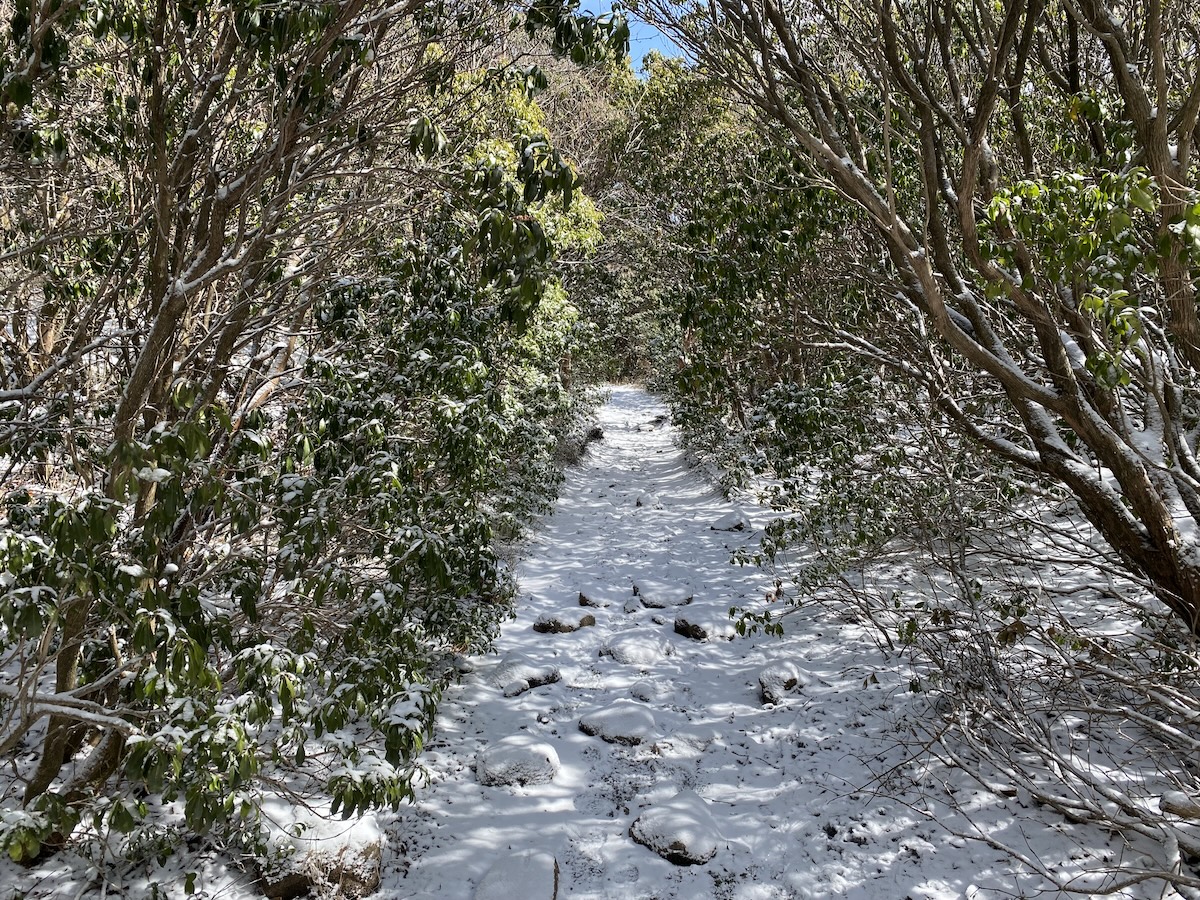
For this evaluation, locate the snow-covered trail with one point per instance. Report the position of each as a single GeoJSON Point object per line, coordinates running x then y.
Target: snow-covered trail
{"type": "Point", "coordinates": [792, 788]}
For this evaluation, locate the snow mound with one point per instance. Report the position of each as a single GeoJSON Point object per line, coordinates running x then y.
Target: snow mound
{"type": "Point", "coordinates": [624, 722]}
{"type": "Point", "coordinates": [637, 649]}
{"type": "Point", "coordinates": [518, 759]}
{"type": "Point", "coordinates": [529, 874]}
{"type": "Point", "coordinates": [680, 830]}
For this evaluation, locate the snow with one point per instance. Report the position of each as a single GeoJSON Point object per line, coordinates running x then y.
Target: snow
{"type": "Point", "coordinates": [661, 593]}
{"type": "Point", "coordinates": [529, 875]}
{"type": "Point", "coordinates": [813, 797]}
{"type": "Point", "coordinates": [624, 722]}
{"type": "Point", "coordinates": [681, 830]}
{"type": "Point", "coordinates": [736, 520]}
{"type": "Point", "coordinates": [637, 649]}
{"type": "Point", "coordinates": [820, 795]}
{"type": "Point", "coordinates": [517, 759]}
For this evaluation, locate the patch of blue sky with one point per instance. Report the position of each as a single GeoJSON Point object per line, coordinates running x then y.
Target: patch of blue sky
{"type": "Point", "coordinates": [643, 37]}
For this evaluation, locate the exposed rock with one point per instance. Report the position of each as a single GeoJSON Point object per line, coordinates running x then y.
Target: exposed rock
{"type": "Point", "coordinates": [286, 886]}
{"type": "Point", "coordinates": [654, 423]}
{"type": "Point", "coordinates": [517, 759]}
{"type": "Point", "coordinates": [736, 520]}
{"type": "Point", "coordinates": [624, 722]}
{"type": "Point", "coordinates": [649, 499]}
{"type": "Point", "coordinates": [602, 596]}
{"type": "Point", "coordinates": [691, 630]}
{"type": "Point", "coordinates": [705, 628]}
{"type": "Point", "coordinates": [680, 830]}
{"type": "Point", "coordinates": [779, 679]}
{"type": "Point", "coordinates": [351, 871]}
{"type": "Point", "coordinates": [517, 673]}
{"type": "Point", "coordinates": [637, 649]}
{"type": "Point", "coordinates": [685, 743]}
{"type": "Point", "coordinates": [563, 622]}
{"type": "Point", "coordinates": [526, 874]}
{"type": "Point", "coordinates": [661, 595]}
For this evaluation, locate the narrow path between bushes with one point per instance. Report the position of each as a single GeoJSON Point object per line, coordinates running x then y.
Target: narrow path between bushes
{"type": "Point", "coordinates": [637, 753]}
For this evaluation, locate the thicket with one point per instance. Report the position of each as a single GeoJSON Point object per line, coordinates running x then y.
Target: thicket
{"type": "Point", "coordinates": [937, 306]}
{"type": "Point", "coordinates": [302, 301]}
{"type": "Point", "coordinates": [282, 365]}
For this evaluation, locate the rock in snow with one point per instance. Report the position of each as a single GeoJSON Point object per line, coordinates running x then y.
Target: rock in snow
{"type": "Point", "coordinates": [777, 680]}
{"type": "Point", "coordinates": [681, 830]}
{"type": "Point", "coordinates": [661, 595]}
{"type": "Point", "coordinates": [1179, 804]}
{"type": "Point", "coordinates": [602, 596]}
{"type": "Point", "coordinates": [517, 673]}
{"type": "Point", "coordinates": [693, 630]}
{"type": "Point", "coordinates": [563, 622]}
{"type": "Point", "coordinates": [517, 759]}
{"type": "Point", "coordinates": [637, 649]}
{"type": "Point", "coordinates": [625, 722]}
{"type": "Point", "coordinates": [650, 691]}
{"type": "Point", "coordinates": [350, 863]}
{"type": "Point", "coordinates": [737, 520]}
{"type": "Point", "coordinates": [528, 875]}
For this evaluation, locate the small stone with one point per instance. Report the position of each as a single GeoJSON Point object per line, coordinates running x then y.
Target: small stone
{"type": "Point", "coordinates": [563, 622]}
{"type": "Point", "coordinates": [680, 830]}
{"type": "Point", "coordinates": [649, 499]}
{"type": "Point", "coordinates": [777, 680]}
{"type": "Point", "coordinates": [528, 874]}
{"type": "Point", "coordinates": [517, 759]}
{"type": "Point", "coordinates": [624, 722]}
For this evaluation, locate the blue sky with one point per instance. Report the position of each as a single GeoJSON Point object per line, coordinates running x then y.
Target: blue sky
{"type": "Point", "coordinates": [643, 37]}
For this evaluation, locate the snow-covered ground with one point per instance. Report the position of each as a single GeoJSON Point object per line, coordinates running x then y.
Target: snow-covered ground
{"type": "Point", "coordinates": [812, 796]}
{"type": "Point", "coordinates": [637, 755]}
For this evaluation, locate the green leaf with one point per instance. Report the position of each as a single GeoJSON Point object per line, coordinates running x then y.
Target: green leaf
{"type": "Point", "coordinates": [1140, 197]}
